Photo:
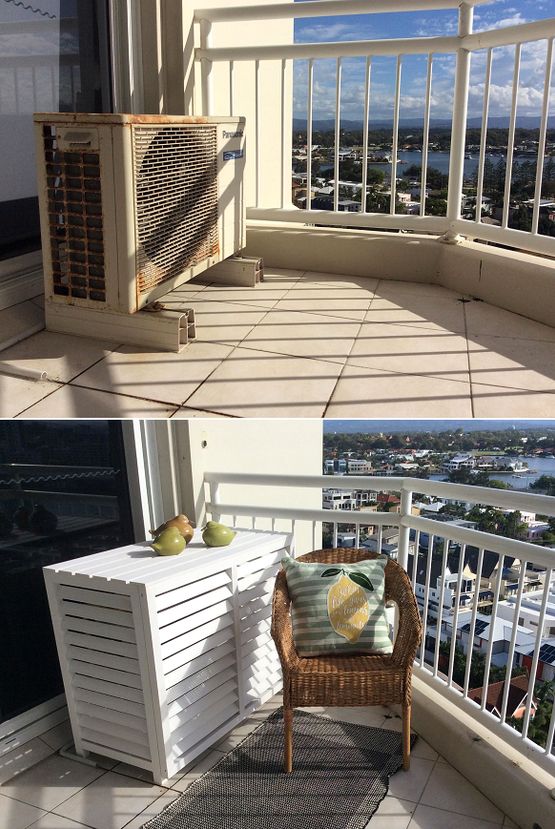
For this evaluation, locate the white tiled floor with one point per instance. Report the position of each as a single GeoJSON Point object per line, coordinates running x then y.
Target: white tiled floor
{"type": "Point", "coordinates": [63, 794]}
{"type": "Point", "coordinates": [300, 344]}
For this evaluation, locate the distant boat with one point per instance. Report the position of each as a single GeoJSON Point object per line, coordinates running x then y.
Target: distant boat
{"type": "Point", "coordinates": [467, 155]}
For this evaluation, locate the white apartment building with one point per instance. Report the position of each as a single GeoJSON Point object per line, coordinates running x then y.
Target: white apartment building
{"type": "Point", "coordinates": [530, 611]}
{"type": "Point", "coordinates": [343, 499]}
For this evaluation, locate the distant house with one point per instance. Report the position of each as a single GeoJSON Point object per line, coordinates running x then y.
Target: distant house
{"type": "Point", "coordinates": [516, 700]}
{"type": "Point", "coordinates": [459, 462]}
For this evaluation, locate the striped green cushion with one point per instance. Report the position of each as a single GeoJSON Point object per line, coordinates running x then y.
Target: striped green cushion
{"type": "Point", "coordinates": [338, 608]}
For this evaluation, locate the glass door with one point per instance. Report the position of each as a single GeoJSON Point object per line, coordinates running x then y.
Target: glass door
{"type": "Point", "coordinates": [54, 57]}
{"type": "Point", "coordinates": [64, 493]}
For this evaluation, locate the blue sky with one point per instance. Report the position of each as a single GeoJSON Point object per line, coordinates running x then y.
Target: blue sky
{"type": "Point", "coordinates": [409, 24]}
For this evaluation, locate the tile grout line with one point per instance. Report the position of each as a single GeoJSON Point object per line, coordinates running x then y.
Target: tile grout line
{"type": "Point", "coordinates": [470, 383]}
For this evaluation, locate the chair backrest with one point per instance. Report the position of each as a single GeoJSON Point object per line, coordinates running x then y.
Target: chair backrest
{"type": "Point", "coordinates": [397, 584]}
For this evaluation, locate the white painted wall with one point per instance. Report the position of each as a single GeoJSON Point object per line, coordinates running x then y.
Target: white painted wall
{"type": "Point", "coordinates": [288, 447]}
{"type": "Point", "coordinates": [179, 90]}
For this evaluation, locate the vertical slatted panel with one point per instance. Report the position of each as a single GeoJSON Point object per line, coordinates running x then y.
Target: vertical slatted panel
{"type": "Point", "coordinates": [395, 148]}
{"type": "Point", "coordinates": [106, 686]}
{"type": "Point", "coordinates": [483, 137]}
{"type": "Point", "coordinates": [260, 677]}
{"type": "Point", "coordinates": [426, 135]}
{"type": "Point", "coordinates": [510, 655]}
{"type": "Point", "coordinates": [543, 134]}
{"type": "Point", "coordinates": [367, 78]}
{"type": "Point", "coordinates": [511, 138]}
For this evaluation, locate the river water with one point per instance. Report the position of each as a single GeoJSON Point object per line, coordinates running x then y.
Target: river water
{"type": "Point", "coordinates": [541, 466]}
{"type": "Point", "coordinates": [438, 160]}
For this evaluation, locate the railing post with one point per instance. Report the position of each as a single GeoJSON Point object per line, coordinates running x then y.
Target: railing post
{"type": "Point", "coordinates": [215, 499]}
{"type": "Point", "coordinates": [206, 68]}
{"type": "Point", "coordinates": [458, 126]}
{"type": "Point", "coordinates": [404, 531]}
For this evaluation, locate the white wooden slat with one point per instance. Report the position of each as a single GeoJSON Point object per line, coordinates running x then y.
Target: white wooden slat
{"type": "Point", "coordinates": [100, 712]}
{"type": "Point", "coordinates": [188, 623]}
{"type": "Point", "coordinates": [112, 689]}
{"type": "Point", "coordinates": [200, 690]}
{"type": "Point", "coordinates": [120, 755]}
{"type": "Point", "coordinates": [109, 674]}
{"type": "Point", "coordinates": [269, 573]}
{"type": "Point", "coordinates": [109, 660]}
{"type": "Point", "coordinates": [263, 624]}
{"type": "Point", "coordinates": [105, 615]}
{"type": "Point", "coordinates": [262, 588]}
{"type": "Point", "coordinates": [98, 741]}
{"type": "Point", "coordinates": [100, 598]}
{"type": "Point", "coordinates": [116, 731]}
{"type": "Point", "coordinates": [208, 721]}
{"type": "Point", "coordinates": [83, 640]}
{"type": "Point", "coordinates": [257, 642]}
{"type": "Point", "coordinates": [189, 656]}
{"type": "Point", "coordinates": [254, 608]}
{"type": "Point", "coordinates": [203, 669]}
{"type": "Point", "coordinates": [102, 700]}
{"type": "Point", "coordinates": [169, 598]}
{"type": "Point", "coordinates": [180, 718]}
{"type": "Point", "coordinates": [179, 611]}
{"type": "Point", "coordinates": [259, 563]}
{"type": "Point", "coordinates": [172, 651]}
{"type": "Point", "coordinates": [120, 634]}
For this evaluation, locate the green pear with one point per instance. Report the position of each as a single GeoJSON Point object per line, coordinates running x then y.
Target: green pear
{"type": "Point", "coordinates": [217, 535]}
{"type": "Point", "coordinates": [170, 542]}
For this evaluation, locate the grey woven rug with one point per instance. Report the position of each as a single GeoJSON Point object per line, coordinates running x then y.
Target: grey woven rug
{"type": "Point", "coordinates": [340, 775]}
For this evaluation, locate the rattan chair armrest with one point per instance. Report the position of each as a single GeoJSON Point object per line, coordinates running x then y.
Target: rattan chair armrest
{"type": "Point", "coordinates": [409, 630]}
{"type": "Point", "coordinates": [282, 628]}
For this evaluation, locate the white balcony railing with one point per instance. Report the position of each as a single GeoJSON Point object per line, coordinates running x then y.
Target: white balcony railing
{"type": "Point", "coordinates": [463, 47]}
{"type": "Point", "coordinates": [446, 603]}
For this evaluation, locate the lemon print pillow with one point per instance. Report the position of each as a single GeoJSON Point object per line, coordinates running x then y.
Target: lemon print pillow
{"type": "Point", "coordinates": [338, 607]}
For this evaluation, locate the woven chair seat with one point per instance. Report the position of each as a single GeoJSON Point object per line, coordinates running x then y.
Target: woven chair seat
{"type": "Point", "coordinates": [354, 663]}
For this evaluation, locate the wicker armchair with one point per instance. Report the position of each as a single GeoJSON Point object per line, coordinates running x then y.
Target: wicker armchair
{"type": "Point", "coordinates": [348, 680]}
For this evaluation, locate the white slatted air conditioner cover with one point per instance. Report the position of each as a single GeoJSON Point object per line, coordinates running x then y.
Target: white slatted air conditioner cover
{"type": "Point", "coordinates": [162, 656]}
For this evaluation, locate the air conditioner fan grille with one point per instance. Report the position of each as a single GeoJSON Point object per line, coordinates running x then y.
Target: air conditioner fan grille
{"type": "Point", "coordinates": [74, 206]}
{"type": "Point", "coordinates": [176, 196]}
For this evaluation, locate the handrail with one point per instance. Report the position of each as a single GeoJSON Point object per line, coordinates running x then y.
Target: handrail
{"type": "Point", "coordinates": [326, 8]}
{"type": "Point", "coordinates": [505, 499]}
{"type": "Point", "coordinates": [333, 49]}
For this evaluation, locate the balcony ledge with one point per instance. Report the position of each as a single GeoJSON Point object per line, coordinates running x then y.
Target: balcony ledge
{"type": "Point", "coordinates": [492, 274]}
{"type": "Point", "coordinates": [517, 785]}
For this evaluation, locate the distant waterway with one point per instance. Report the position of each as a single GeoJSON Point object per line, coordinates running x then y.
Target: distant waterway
{"type": "Point", "coordinates": [438, 160]}
{"type": "Point", "coordinates": [541, 466]}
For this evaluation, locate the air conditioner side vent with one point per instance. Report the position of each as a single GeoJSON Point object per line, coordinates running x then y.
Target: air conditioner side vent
{"type": "Point", "coordinates": [176, 193]}
{"type": "Point", "coordinates": [75, 220]}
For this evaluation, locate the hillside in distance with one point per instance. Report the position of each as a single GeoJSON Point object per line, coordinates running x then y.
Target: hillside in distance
{"type": "Point", "coordinates": [498, 122]}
